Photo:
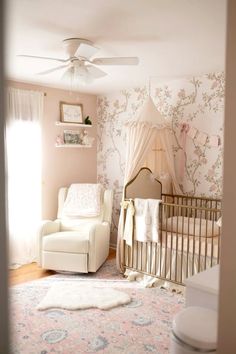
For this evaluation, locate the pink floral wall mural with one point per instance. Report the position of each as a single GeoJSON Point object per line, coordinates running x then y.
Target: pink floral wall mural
{"type": "Point", "coordinates": [195, 107]}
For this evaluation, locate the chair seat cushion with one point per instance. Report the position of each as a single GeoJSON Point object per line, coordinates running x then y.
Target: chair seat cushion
{"type": "Point", "coordinates": [67, 242]}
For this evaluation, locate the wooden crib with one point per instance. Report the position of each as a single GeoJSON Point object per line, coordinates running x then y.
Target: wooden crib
{"type": "Point", "coordinates": [189, 240]}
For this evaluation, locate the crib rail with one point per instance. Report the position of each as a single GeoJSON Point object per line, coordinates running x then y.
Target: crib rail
{"type": "Point", "coordinates": [189, 240]}
{"type": "Point", "coordinates": [197, 202]}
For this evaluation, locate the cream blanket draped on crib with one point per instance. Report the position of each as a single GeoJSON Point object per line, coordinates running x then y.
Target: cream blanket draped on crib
{"type": "Point", "coordinates": [141, 224]}
{"type": "Point", "coordinates": [142, 219]}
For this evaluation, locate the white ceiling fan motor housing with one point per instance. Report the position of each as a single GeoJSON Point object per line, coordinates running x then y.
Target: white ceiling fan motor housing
{"type": "Point", "coordinates": [71, 45]}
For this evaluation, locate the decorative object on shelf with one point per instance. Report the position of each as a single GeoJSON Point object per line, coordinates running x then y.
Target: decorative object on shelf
{"type": "Point", "coordinates": [87, 121]}
{"type": "Point", "coordinates": [71, 113]}
{"type": "Point", "coordinates": [59, 140]}
{"type": "Point", "coordinates": [87, 140]}
{"type": "Point", "coordinates": [72, 137]}
{"type": "Point", "coordinates": [90, 140]}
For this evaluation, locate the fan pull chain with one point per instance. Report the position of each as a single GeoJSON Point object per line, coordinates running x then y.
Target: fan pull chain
{"type": "Point", "coordinates": [149, 86]}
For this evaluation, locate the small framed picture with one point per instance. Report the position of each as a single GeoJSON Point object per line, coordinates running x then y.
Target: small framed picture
{"type": "Point", "coordinates": [73, 137]}
{"type": "Point", "coordinates": [71, 113]}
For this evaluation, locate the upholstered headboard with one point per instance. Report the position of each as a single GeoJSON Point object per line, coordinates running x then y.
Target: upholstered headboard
{"type": "Point", "coordinates": [143, 185]}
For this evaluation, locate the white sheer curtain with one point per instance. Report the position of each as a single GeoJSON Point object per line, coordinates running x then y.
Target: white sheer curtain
{"type": "Point", "coordinates": [23, 137]}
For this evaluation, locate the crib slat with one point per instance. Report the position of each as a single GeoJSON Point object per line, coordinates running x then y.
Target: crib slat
{"type": "Point", "coordinates": [165, 242]}
{"type": "Point", "coordinates": [188, 216]}
{"type": "Point", "coordinates": [182, 249]}
{"type": "Point", "coordinates": [205, 239]}
{"type": "Point", "coordinates": [171, 240]}
{"type": "Point", "coordinates": [194, 241]}
{"type": "Point", "coordinates": [150, 252]}
{"type": "Point", "coordinates": [200, 244]}
{"type": "Point", "coordinates": [176, 247]}
{"type": "Point", "coordinates": [162, 234]}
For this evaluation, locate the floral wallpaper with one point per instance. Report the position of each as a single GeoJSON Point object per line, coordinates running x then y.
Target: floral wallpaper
{"type": "Point", "coordinates": [196, 103]}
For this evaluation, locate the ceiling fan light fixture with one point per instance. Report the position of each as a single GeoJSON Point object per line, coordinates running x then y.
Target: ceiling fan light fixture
{"type": "Point", "coordinates": [77, 75]}
{"type": "Point", "coordinates": [80, 64]}
{"type": "Point", "coordinates": [80, 69]}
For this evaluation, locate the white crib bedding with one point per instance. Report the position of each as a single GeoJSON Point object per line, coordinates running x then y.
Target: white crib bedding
{"type": "Point", "coordinates": [173, 260]}
{"type": "Point", "coordinates": [191, 226]}
{"type": "Point", "coordinates": [199, 246]}
{"type": "Point", "coordinates": [186, 246]}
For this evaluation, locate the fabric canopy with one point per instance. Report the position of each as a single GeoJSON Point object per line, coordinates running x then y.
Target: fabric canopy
{"type": "Point", "coordinates": [141, 136]}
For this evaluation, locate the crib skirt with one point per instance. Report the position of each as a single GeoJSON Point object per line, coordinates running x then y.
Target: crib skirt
{"type": "Point", "coordinates": [168, 261]}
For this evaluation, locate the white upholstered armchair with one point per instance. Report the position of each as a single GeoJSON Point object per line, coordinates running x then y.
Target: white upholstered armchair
{"type": "Point", "coordinates": [76, 243]}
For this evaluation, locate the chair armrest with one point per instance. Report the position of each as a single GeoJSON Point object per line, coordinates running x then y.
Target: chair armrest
{"type": "Point", "coordinates": [99, 240]}
{"type": "Point", "coordinates": [46, 227]}
{"type": "Point", "coordinates": [108, 202]}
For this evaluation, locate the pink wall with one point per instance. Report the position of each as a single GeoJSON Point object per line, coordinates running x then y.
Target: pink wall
{"type": "Point", "coordinates": [63, 166]}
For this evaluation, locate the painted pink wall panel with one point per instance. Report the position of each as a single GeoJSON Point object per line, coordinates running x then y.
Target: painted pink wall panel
{"type": "Point", "coordinates": [63, 166]}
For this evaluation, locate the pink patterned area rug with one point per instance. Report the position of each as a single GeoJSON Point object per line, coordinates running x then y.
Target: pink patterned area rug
{"type": "Point", "coordinates": [139, 327]}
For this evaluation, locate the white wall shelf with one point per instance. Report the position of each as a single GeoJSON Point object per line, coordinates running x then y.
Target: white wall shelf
{"type": "Point", "coordinates": [77, 125]}
{"type": "Point", "coordinates": [72, 146]}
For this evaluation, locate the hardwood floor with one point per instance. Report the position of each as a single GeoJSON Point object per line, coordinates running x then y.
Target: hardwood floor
{"type": "Point", "coordinates": [32, 271]}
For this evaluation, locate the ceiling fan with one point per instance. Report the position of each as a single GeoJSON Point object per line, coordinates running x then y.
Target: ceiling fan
{"type": "Point", "coordinates": [80, 67]}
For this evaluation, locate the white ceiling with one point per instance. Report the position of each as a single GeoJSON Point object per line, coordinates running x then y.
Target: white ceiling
{"type": "Point", "coordinates": [172, 38]}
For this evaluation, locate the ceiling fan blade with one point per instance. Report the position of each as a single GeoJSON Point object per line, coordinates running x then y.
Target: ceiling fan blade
{"type": "Point", "coordinates": [116, 61]}
{"type": "Point", "coordinates": [45, 58]}
{"type": "Point", "coordinates": [86, 50]}
{"type": "Point", "coordinates": [52, 70]}
{"type": "Point", "coordinates": [95, 72]}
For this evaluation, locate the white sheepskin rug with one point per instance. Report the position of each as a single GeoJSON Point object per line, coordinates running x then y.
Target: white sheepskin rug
{"type": "Point", "coordinates": [73, 296]}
